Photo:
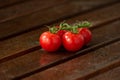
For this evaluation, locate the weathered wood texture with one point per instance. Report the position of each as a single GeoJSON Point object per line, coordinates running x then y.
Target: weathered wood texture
{"type": "Point", "coordinates": [22, 22]}
{"type": "Point", "coordinates": [113, 74]}
{"type": "Point", "coordinates": [43, 17]}
{"type": "Point", "coordinates": [38, 59]}
{"type": "Point", "coordinates": [7, 3]}
{"type": "Point", "coordinates": [84, 66]}
{"type": "Point", "coordinates": [28, 41]}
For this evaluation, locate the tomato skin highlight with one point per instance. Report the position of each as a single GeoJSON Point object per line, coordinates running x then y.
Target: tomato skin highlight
{"type": "Point", "coordinates": [72, 42]}
{"type": "Point", "coordinates": [86, 34]}
{"type": "Point", "coordinates": [50, 42]}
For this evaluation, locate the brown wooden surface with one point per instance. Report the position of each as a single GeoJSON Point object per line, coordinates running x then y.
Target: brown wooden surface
{"type": "Point", "coordinates": [30, 40]}
{"type": "Point", "coordinates": [25, 8]}
{"type": "Point", "coordinates": [7, 3]}
{"type": "Point", "coordinates": [112, 74]}
{"type": "Point", "coordinates": [44, 17]}
{"type": "Point", "coordinates": [84, 66]}
{"type": "Point", "coordinates": [37, 59]}
{"type": "Point", "coordinates": [22, 22]}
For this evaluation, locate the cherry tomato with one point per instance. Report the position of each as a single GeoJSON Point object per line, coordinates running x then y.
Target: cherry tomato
{"type": "Point", "coordinates": [72, 41]}
{"type": "Point", "coordinates": [61, 33]}
{"type": "Point", "coordinates": [86, 34]}
{"type": "Point", "coordinates": [50, 42]}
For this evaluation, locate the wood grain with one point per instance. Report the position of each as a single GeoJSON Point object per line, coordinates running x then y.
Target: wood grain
{"type": "Point", "coordinates": [22, 58]}
{"type": "Point", "coordinates": [83, 66]}
{"type": "Point", "coordinates": [27, 8]}
{"type": "Point", "coordinates": [29, 41]}
{"type": "Point", "coordinates": [40, 18]}
{"type": "Point", "coordinates": [113, 74]}
{"type": "Point", "coordinates": [7, 3]}
{"type": "Point", "coordinates": [38, 59]}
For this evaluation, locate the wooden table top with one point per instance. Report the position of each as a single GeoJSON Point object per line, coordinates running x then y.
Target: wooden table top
{"type": "Point", "coordinates": [22, 58]}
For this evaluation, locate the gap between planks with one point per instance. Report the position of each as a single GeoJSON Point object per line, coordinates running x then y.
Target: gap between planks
{"type": "Point", "coordinates": [6, 3]}
{"type": "Point", "coordinates": [17, 63]}
{"type": "Point", "coordinates": [54, 21]}
{"type": "Point", "coordinates": [80, 53]}
{"type": "Point", "coordinates": [37, 46]}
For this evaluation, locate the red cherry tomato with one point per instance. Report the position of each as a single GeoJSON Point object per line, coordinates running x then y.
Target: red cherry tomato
{"type": "Point", "coordinates": [50, 42]}
{"type": "Point", "coordinates": [86, 34]}
{"type": "Point", "coordinates": [61, 33]}
{"type": "Point", "coordinates": [72, 42]}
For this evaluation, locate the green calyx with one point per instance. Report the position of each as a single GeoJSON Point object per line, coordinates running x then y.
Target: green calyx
{"type": "Point", "coordinates": [53, 30]}
{"type": "Point", "coordinates": [64, 26]}
{"type": "Point", "coordinates": [73, 28]}
{"type": "Point", "coordinates": [83, 24]}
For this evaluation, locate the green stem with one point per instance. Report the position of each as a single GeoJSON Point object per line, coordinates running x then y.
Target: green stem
{"type": "Point", "coordinates": [83, 24]}
{"type": "Point", "coordinates": [64, 26]}
{"type": "Point", "coordinates": [74, 29]}
{"type": "Point", "coordinates": [53, 30]}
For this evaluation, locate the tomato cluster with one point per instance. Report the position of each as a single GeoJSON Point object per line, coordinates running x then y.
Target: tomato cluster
{"type": "Point", "coordinates": [72, 37]}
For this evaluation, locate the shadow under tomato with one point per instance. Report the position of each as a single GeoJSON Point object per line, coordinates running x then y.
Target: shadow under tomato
{"type": "Point", "coordinates": [49, 57]}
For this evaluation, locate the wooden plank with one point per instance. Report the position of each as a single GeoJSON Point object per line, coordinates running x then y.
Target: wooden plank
{"type": "Point", "coordinates": [29, 41]}
{"type": "Point", "coordinates": [83, 66]}
{"type": "Point", "coordinates": [38, 59]}
{"type": "Point", "coordinates": [7, 3]}
{"type": "Point", "coordinates": [29, 22]}
{"type": "Point", "coordinates": [26, 8]}
{"type": "Point", "coordinates": [113, 74]}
